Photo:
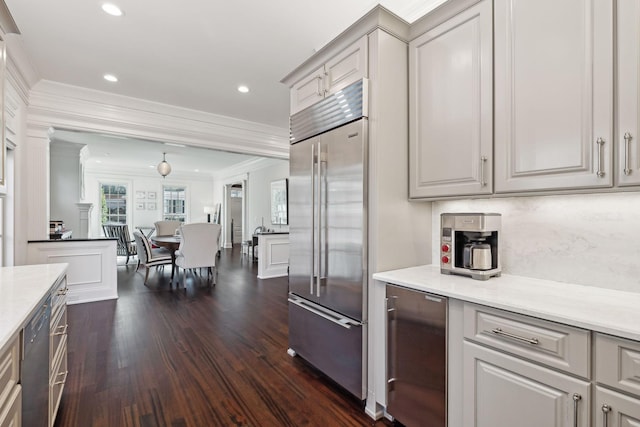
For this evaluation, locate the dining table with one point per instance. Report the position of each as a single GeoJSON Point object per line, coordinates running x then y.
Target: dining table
{"type": "Point", "coordinates": [172, 243]}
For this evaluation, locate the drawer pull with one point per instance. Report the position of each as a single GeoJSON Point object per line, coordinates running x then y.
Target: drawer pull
{"type": "Point", "coordinates": [576, 398]}
{"type": "Point", "coordinates": [605, 414]}
{"type": "Point", "coordinates": [63, 329]}
{"type": "Point", "coordinates": [499, 331]}
{"type": "Point", "coordinates": [64, 380]}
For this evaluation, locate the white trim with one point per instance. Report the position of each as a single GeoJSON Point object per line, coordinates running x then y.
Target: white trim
{"type": "Point", "coordinates": [70, 107]}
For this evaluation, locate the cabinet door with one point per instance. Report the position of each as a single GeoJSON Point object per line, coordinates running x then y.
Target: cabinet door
{"type": "Point", "coordinates": [450, 103]}
{"type": "Point", "coordinates": [553, 94]}
{"type": "Point", "coordinates": [347, 67]}
{"type": "Point", "coordinates": [307, 91]}
{"type": "Point", "coordinates": [613, 409]}
{"type": "Point", "coordinates": [627, 137]}
{"type": "Point", "coordinates": [503, 391]}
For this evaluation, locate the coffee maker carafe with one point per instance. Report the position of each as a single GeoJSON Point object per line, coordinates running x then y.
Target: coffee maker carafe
{"type": "Point", "coordinates": [469, 244]}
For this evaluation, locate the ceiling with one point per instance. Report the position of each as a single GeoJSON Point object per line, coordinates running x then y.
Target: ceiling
{"type": "Point", "coordinates": [194, 55]}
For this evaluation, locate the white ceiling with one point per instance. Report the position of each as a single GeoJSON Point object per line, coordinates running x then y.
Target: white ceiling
{"type": "Point", "coordinates": [192, 53]}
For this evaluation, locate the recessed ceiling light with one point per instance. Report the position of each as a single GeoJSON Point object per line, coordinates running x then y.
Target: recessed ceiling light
{"type": "Point", "coordinates": [243, 89]}
{"type": "Point", "coordinates": [112, 9]}
{"type": "Point", "coordinates": [98, 161]}
{"type": "Point", "coordinates": [196, 170]}
{"type": "Point", "coordinates": [110, 78]}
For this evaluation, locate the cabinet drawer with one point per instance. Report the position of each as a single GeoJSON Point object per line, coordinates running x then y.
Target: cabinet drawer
{"type": "Point", "coordinates": [559, 346]}
{"type": "Point", "coordinates": [9, 369]}
{"type": "Point", "coordinates": [11, 412]}
{"type": "Point", "coordinates": [59, 298]}
{"type": "Point", "coordinates": [618, 363]}
{"type": "Point", "coordinates": [59, 372]}
{"type": "Point", "coordinates": [58, 331]}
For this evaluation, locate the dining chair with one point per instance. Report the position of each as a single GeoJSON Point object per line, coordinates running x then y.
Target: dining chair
{"type": "Point", "coordinates": [199, 248]}
{"type": "Point", "coordinates": [125, 245]}
{"type": "Point", "coordinates": [166, 228]}
{"type": "Point", "coordinates": [148, 256]}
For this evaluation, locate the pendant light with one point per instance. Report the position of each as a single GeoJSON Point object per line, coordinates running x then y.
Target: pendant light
{"type": "Point", "coordinates": [164, 168]}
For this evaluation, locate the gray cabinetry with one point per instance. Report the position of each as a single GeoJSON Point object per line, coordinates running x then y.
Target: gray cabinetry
{"type": "Point", "coordinates": [628, 93]}
{"type": "Point", "coordinates": [527, 372]}
{"type": "Point", "coordinates": [617, 373]}
{"type": "Point", "coordinates": [553, 94]}
{"type": "Point", "coordinates": [450, 102]}
{"type": "Point", "coordinates": [505, 391]}
{"type": "Point", "coordinates": [10, 390]}
{"type": "Point", "coordinates": [345, 68]}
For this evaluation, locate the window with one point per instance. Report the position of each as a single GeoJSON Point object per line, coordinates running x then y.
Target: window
{"type": "Point", "coordinates": [113, 203]}
{"type": "Point", "coordinates": [173, 202]}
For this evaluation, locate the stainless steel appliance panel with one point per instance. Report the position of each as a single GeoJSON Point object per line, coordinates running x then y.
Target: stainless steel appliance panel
{"type": "Point", "coordinates": [34, 371]}
{"type": "Point", "coordinates": [343, 223]}
{"type": "Point", "coordinates": [331, 343]}
{"type": "Point", "coordinates": [302, 217]}
{"type": "Point", "coordinates": [327, 230]}
{"type": "Point", "coordinates": [416, 357]}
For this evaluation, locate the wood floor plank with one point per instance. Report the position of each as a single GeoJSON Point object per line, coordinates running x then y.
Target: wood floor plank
{"type": "Point", "coordinates": [195, 356]}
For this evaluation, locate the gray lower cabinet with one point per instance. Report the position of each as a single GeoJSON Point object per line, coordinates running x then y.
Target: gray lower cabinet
{"type": "Point", "coordinates": [615, 409]}
{"type": "Point", "coordinates": [617, 373]}
{"type": "Point", "coordinates": [504, 391]}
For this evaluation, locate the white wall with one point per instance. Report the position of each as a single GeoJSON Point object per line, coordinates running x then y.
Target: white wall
{"type": "Point", "coordinates": [199, 194]}
{"type": "Point", "coordinates": [591, 239]}
{"type": "Point", "coordinates": [258, 176]}
{"type": "Point", "coordinates": [259, 195]}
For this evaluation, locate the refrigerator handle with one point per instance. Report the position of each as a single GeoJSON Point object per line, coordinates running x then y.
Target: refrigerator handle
{"type": "Point", "coordinates": [313, 225]}
{"type": "Point", "coordinates": [318, 253]}
{"type": "Point", "coordinates": [340, 321]}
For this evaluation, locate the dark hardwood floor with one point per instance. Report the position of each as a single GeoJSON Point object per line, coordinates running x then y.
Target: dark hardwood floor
{"type": "Point", "coordinates": [200, 356]}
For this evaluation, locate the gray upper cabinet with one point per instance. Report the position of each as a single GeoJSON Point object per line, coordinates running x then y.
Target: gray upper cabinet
{"type": "Point", "coordinates": [450, 107]}
{"type": "Point", "coordinates": [553, 94]}
{"type": "Point", "coordinates": [628, 70]}
{"type": "Point", "coordinates": [345, 68]}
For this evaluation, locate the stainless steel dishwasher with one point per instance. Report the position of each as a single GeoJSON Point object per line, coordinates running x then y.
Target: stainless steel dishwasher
{"type": "Point", "coordinates": [416, 357]}
{"type": "Point", "coordinates": [34, 374]}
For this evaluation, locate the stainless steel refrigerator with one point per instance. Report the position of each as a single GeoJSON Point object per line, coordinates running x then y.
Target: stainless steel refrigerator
{"type": "Point", "coordinates": [328, 236]}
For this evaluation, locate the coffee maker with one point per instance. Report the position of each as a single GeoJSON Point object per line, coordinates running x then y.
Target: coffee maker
{"type": "Point", "coordinates": [469, 244]}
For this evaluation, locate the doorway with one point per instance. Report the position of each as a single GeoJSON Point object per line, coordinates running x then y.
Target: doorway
{"type": "Point", "coordinates": [235, 213]}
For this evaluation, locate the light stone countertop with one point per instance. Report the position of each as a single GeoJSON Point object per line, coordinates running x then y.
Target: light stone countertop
{"type": "Point", "coordinates": [602, 310]}
{"type": "Point", "coordinates": [21, 289]}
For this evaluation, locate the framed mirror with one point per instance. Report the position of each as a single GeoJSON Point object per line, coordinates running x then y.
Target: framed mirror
{"type": "Point", "coordinates": [279, 202]}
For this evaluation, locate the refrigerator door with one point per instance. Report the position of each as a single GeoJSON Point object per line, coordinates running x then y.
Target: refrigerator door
{"type": "Point", "coordinates": [342, 221]}
{"type": "Point", "coordinates": [416, 357]}
{"type": "Point", "coordinates": [302, 216]}
{"type": "Point", "coordinates": [330, 342]}
{"type": "Point", "coordinates": [327, 229]}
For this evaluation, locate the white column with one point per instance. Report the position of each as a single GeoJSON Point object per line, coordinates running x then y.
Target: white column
{"type": "Point", "coordinates": [85, 220]}
{"type": "Point", "coordinates": [36, 163]}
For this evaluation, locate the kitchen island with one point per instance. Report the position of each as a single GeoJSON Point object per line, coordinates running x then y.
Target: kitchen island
{"type": "Point", "coordinates": [92, 274]}
{"type": "Point", "coordinates": [273, 254]}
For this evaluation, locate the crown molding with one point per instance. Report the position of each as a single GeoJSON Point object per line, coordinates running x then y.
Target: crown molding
{"type": "Point", "coordinates": [21, 72]}
{"type": "Point", "coordinates": [74, 108]}
{"type": "Point", "coordinates": [244, 167]}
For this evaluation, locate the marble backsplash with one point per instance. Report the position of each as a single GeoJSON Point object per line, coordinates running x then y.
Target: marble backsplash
{"type": "Point", "coordinates": [591, 239]}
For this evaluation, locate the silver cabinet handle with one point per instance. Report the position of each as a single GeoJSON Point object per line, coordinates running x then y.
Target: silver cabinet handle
{"type": "Point", "coordinates": [62, 381]}
{"type": "Point", "coordinates": [62, 329]}
{"type": "Point", "coordinates": [627, 142]}
{"type": "Point", "coordinates": [605, 414]}
{"type": "Point", "coordinates": [313, 225]}
{"type": "Point", "coordinates": [483, 161]}
{"type": "Point", "coordinates": [319, 221]}
{"type": "Point", "coordinates": [327, 82]}
{"type": "Point", "coordinates": [576, 398]}
{"type": "Point", "coordinates": [600, 172]}
{"type": "Point", "coordinates": [499, 331]}
{"type": "Point", "coordinates": [320, 90]}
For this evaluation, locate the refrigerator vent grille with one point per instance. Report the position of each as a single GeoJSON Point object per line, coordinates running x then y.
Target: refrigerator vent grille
{"type": "Point", "coordinates": [342, 107]}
